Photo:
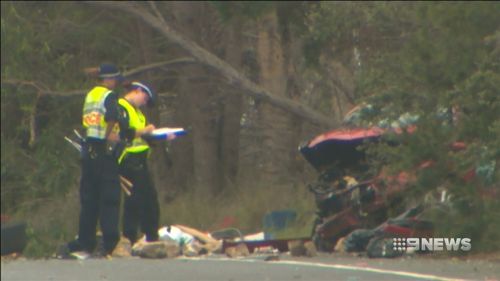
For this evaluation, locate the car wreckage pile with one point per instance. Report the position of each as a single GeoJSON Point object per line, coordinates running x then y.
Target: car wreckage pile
{"type": "Point", "coordinates": [353, 202]}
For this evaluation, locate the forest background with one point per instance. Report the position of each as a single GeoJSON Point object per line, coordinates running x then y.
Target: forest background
{"type": "Point", "coordinates": [252, 81]}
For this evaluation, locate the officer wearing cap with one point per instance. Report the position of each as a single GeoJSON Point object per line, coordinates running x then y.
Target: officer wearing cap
{"type": "Point", "coordinates": [141, 209]}
{"type": "Point", "coordinates": [99, 184]}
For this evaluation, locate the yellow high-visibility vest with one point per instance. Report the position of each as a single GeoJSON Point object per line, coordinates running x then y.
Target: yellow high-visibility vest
{"type": "Point", "coordinates": [137, 120]}
{"type": "Point", "coordinates": [94, 111]}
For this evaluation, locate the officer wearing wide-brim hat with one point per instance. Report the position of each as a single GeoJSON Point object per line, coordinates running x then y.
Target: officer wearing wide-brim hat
{"type": "Point", "coordinates": [99, 185]}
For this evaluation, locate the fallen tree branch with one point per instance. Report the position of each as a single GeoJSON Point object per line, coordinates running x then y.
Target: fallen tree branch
{"type": "Point", "coordinates": [153, 66]}
{"type": "Point", "coordinates": [209, 59]}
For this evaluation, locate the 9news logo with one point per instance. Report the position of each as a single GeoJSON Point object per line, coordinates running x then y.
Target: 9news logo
{"type": "Point", "coordinates": [431, 244]}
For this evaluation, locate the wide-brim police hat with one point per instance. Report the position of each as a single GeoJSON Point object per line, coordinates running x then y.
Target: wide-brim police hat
{"type": "Point", "coordinates": [109, 71]}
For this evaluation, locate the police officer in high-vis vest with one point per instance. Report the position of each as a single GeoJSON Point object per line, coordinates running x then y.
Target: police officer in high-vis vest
{"type": "Point", "coordinates": [141, 209]}
{"type": "Point", "coordinates": [99, 185]}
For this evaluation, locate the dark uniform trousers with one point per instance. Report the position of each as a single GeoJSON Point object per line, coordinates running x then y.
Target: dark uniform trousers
{"type": "Point", "coordinates": [99, 198]}
{"type": "Point", "coordinates": [141, 209]}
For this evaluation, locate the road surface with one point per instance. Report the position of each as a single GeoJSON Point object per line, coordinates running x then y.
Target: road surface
{"type": "Point", "coordinates": [323, 267]}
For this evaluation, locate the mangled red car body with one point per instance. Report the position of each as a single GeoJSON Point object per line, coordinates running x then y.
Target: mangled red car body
{"type": "Point", "coordinates": [346, 195]}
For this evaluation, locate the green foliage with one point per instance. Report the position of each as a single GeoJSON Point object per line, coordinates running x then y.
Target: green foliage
{"type": "Point", "coordinates": [45, 46]}
{"type": "Point", "coordinates": [48, 226]}
{"type": "Point", "coordinates": [437, 61]}
{"type": "Point", "coordinates": [38, 246]}
{"type": "Point", "coordinates": [336, 27]}
{"type": "Point", "coordinates": [446, 64]}
{"type": "Point", "coordinates": [43, 41]}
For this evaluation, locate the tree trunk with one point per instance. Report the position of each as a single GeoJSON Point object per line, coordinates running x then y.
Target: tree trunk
{"type": "Point", "coordinates": [182, 149]}
{"type": "Point", "coordinates": [157, 159]}
{"type": "Point", "coordinates": [199, 88]}
{"type": "Point", "coordinates": [275, 123]}
{"type": "Point", "coordinates": [231, 111]}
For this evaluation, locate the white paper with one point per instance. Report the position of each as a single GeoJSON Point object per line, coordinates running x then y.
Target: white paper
{"type": "Point", "coordinates": [166, 131]}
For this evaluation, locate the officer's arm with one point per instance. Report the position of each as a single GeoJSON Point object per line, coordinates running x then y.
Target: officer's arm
{"type": "Point", "coordinates": [126, 132]}
{"type": "Point", "coordinates": [111, 116]}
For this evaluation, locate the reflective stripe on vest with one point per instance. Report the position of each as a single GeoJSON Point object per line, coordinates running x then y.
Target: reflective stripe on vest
{"type": "Point", "coordinates": [94, 111]}
{"type": "Point", "coordinates": [137, 120]}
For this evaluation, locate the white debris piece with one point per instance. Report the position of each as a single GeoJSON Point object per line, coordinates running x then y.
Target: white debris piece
{"type": "Point", "coordinates": [172, 233]}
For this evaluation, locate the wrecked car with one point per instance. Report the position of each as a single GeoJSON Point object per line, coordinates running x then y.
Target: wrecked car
{"type": "Point", "coordinates": [347, 195]}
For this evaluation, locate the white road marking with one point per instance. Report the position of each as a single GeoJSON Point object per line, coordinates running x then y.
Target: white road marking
{"type": "Point", "coordinates": [340, 266]}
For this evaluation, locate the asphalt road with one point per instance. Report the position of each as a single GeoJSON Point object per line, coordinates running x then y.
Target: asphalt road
{"type": "Point", "coordinates": [324, 267]}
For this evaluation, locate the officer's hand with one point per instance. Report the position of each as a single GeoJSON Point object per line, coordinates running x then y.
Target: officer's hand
{"type": "Point", "coordinates": [148, 129]}
{"type": "Point", "coordinates": [171, 136]}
